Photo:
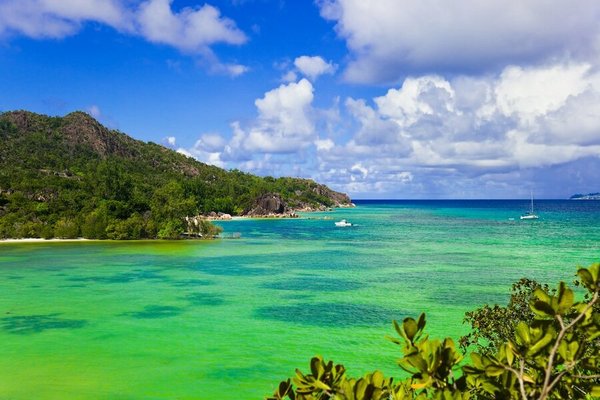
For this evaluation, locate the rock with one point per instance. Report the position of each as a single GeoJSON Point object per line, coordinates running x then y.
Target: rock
{"type": "Point", "coordinates": [267, 204]}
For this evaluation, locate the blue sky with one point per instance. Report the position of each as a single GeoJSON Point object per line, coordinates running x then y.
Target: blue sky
{"type": "Point", "coordinates": [379, 99]}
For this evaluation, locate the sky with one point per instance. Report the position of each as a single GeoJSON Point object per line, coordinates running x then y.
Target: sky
{"type": "Point", "coordinates": [403, 99]}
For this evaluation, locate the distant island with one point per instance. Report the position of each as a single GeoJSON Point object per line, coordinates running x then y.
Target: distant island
{"type": "Point", "coordinates": [589, 196]}
{"type": "Point", "coordinates": [69, 177]}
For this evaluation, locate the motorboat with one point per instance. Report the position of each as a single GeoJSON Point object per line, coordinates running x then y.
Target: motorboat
{"type": "Point", "coordinates": [342, 223]}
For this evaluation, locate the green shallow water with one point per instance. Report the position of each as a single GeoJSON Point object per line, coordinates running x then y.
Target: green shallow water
{"type": "Point", "coordinates": [228, 319]}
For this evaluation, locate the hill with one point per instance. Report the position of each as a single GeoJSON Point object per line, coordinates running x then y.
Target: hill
{"type": "Point", "coordinates": [71, 176]}
{"type": "Point", "coordinates": [589, 196]}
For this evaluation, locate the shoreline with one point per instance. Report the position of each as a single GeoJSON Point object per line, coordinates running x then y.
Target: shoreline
{"type": "Point", "coordinates": [42, 240]}
{"type": "Point", "coordinates": [212, 219]}
{"type": "Point", "coordinates": [292, 214]}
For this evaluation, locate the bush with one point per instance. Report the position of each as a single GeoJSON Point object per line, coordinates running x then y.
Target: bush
{"type": "Point", "coordinates": [551, 356]}
{"type": "Point", "coordinates": [66, 229]}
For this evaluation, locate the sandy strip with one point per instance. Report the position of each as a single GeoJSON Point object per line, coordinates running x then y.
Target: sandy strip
{"type": "Point", "coordinates": [40, 240]}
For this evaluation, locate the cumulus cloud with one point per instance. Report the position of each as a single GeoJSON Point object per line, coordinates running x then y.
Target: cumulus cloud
{"type": "Point", "coordinates": [388, 37]}
{"type": "Point", "coordinates": [430, 136]}
{"type": "Point", "coordinates": [210, 142]}
{"type": "Point", "coordinates": [192, 30]}
{"type": "Point", "coordinates": [434, 137]}
{"type": "Point", "coordinates": [170, 141]}
{"type": "Point", "coordinates": [284, 123]}
{"type": "Point", "coordinates": [275, 141]}
{"type": "Point", "coordinates": [313, 67]}
{"type": "Point", "coordinates": [56, 19]}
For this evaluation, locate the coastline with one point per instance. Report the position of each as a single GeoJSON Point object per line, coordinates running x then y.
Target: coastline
{"type": "Point", "coordinates": [291, 215]}
{"type": "Point", "coordinates": [42, 240]}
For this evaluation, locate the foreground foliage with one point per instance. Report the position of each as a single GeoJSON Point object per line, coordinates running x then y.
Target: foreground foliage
{"type": "Point", "coordinates": [70, 176]}
{"type": "Point", "coordinates": [548, 352]}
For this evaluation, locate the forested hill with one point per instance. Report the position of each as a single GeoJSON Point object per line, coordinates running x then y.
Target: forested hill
{"type": "Point", "coordinates": [70, 176]}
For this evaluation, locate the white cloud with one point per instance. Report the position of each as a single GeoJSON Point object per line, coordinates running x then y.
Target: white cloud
{"type": "Point", "coordinates": [59, 18]}
{"type": "Point", "coordinates": [290, 76]}
{"type": "Point", "coordinates": [313, 67]}
{"type": "Point", "coordinates": [284, 122]}
{"type": "Point", "coordinates": [185, 152]}
{"type": "Point", "coordinates": [465, 137]}
{"type": "Point", "coordinates": [324, 144]}
{"type": "Point", "coordinates": [94, 111]}
{"type": "Point", "coordinates": [529, 93]}
{"type": "Point", "coordinates": [388, 37]}
{"type": "Point", "coordinates": [358, 167]}
{"type": "Point", "coordinates": [416, 98]}
{"type": "Point", "coordinates": [577, 122]}
{"type": "Point", "coordinates": [210, 142]}
{"type": "Point", "coordinates": [207, 149]}
{"type": "Point", "coordinates": [192, 30]}
{"type": "Point", "coordinates": [286, 107]}
{"type": "Point", "coordinates": [170, 141]}
{"type": "Point", "coordinates": [282, 129]}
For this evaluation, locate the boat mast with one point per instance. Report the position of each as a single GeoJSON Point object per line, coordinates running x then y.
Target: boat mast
{"type": "Point", "coordinates": [532, 202]}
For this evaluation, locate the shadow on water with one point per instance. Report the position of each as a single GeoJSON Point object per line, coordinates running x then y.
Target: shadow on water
{"type": "Point", "coordinates": [278, 263]}
{"type": "Point", "coordinates": [154, 311]}
{"type": "Point", "coordinates": [314, 284]}
{"type": "Point", "coordinates": [29, 324]}
{"type": "Point", "coordinates": [229, 267]}
{"type": "Point", "coordinates": [192, 283]}
{"type": "Point", "coordinates": [465, 297]}
{"type": "Point", "coordinates": [204, 299]}
{"type": "Point", "coordinates": [125, 277]}
{"type": "Point", "coordinates": [330, 314]}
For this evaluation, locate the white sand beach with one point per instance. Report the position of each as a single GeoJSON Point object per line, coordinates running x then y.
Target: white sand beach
{"type": "Point", "coordinates": [40, 240]}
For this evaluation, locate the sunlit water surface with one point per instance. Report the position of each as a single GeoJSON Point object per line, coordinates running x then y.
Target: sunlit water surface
{"type": "Point", "coordinates": [228, 319]}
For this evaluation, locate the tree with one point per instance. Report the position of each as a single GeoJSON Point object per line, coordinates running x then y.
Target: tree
{"type": "Point", "coordinates": [489, 329]}
{"type": "Point", "coordinates": [547, 358]}
{"type": "Point", "coordinates": [66, 229]}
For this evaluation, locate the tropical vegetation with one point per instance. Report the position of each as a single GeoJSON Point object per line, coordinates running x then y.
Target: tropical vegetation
{"type": "Point", "coordinates": [70, 176]}
{"type": "Point", "coordinates": [543, 345]}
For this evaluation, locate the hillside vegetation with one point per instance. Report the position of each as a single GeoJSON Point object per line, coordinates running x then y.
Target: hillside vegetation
{"type": "Point", "coordinates": [70, 176]}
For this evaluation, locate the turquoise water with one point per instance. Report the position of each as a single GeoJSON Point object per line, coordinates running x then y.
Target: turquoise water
{"type": "Point", "coordinates": [228, 319]}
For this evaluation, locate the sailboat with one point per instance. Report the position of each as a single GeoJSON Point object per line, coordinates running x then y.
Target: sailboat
{"type": "Point", "coordinates": [530, 214]}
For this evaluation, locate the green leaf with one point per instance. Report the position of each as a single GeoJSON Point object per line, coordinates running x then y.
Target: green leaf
{"type": "Point", "coordinates": [566, 298]}
{"type": "Point", "coordinates": [321, 385]}
{"type": "Point", "coordinates": [477, 361]}
{"type": "Point", "coordinates": [522, 333]}
{"type": "Point", "coordinates": [494, 370]}
{"type": "Point", "coordinates": [410, 328]}
{"type": "Point", "coordinates": [541, 344]}
{"type": "Point", "coordinates": [421, 322]}
{"type": "Point", "coordinates": [586, 278]}
{"type": "Point", "coordinates": [542, 309]}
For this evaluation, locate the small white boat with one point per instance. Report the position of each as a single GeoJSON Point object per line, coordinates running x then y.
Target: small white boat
{"type": "Point", "coordinates": [343, 223]}
{"type": "Point", "coordinates": [530, 214]}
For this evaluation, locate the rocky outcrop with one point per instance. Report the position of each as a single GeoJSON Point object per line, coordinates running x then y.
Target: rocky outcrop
{"type": "Point", "coordinates": [273, 204]}
{"type": "Point", "coordinates": [338, 199]}
{"type": "Point", "coordinates": [270, 204]}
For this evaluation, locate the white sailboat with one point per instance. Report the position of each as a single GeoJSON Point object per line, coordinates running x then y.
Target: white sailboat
{"type": "Point", "coordinates": [530, 214]}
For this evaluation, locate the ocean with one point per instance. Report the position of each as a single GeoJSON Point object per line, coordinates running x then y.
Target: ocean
{"type": "Point", "coordinates": [230, 318]}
